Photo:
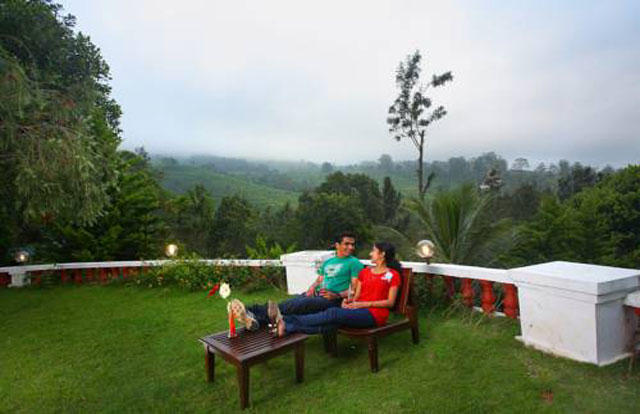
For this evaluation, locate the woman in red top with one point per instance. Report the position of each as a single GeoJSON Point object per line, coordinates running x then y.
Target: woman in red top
{"type": "Point", "coordinates": [376, 290]}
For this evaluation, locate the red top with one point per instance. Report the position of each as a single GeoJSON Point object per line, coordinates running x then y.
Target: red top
{"type": "Point", "coordinates": [376, 287]}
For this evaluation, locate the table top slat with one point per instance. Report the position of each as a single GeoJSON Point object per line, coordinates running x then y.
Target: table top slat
{"type": "Point", "coordinates": [250, 344]}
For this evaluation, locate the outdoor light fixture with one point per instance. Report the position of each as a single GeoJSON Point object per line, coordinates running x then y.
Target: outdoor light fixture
{"type": "Point", "coordinates": [426, 249]}
{"type": "Point", "coordinates": [171, 250]}
{"type": "Point", "coordinates": [21, 256]}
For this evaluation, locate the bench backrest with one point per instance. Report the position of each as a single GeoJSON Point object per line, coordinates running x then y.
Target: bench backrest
{"type": "Point", "coordinates": [405, 295]}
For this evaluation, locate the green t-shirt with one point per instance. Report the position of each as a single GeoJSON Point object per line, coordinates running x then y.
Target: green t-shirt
{"type": "Point", "coordinates": [338, 271]}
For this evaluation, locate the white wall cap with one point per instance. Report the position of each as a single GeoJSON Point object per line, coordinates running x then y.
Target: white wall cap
{"type": "Point", "coordinates": [307, 256]}
{"type": "Point", "coordinates": [460, 271]}
{"type": "Point", "coordinates": [579, 277]}
{"type": "Point", "coordinates": [633, 299]}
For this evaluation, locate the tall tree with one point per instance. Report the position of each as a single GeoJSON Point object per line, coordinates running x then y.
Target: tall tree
{"type": "Point", "coordinates": [391, 200]}
{"type": "Point", "coordinates": [411, 113]}
{"type": "Point", "coordinates": [59, 126]}
{"type": "Point", "coordinates": [131, 227]}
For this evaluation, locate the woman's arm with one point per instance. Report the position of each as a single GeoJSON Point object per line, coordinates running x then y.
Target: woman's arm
{"type": "Point", "coordinates": [384, 303]}
{"type": "Point", "coordinates": [356, 289]}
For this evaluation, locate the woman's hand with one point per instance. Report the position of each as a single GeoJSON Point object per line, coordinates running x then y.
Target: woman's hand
{"type": "Point", "coordinates": [354, 305]}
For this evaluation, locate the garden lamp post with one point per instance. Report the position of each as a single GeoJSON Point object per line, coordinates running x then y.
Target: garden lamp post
{"type": "Point", "coordinates": [426, 250]}
{"type": "Point", "coordinates": [21, 256]}
{"type": "Point", "coordinates": [171, 250]}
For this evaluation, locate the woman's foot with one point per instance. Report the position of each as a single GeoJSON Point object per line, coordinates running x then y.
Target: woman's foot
{"type": "Point", "coordinates": [281, 328]}
{"type": "Point", "coordinates": [275, 317]}
{"type": "Point", "coordinates": [244, 316]}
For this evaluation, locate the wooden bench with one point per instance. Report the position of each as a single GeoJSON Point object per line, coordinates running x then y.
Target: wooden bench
{"type": "Point", "coordinates": [406, 307]}
{"type": "Point", "coordinates": [248, 349]}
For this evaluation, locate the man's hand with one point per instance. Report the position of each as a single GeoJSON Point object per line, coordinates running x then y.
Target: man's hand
{"type": "Point", "coordinates": [311, 292]}
{"type": "Point", "coordinates": [327, 294]}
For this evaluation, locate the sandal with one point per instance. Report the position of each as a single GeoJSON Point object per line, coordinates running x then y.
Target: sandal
{"type": "Point", "coordinates": [242, 315]}
{"type": "Point", "coordinates": [275, 317]}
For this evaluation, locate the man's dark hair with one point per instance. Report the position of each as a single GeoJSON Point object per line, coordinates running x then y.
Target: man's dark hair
{"type": "Point", "coordinates": [344, 234]}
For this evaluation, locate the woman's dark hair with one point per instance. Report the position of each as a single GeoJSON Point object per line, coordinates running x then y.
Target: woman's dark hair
{"type": "Point", "coordinates": [389, 251]}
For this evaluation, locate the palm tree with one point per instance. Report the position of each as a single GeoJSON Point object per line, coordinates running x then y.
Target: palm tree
{"type": "Point", "coordinates": [460, 226]}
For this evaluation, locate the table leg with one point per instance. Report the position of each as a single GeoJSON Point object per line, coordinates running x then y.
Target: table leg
{"type": "Point", "coordinates": [209, 363]}
{"type": "Point", "coordinates": [299, 362]}
{"type": "Point", "coordinates": [243, 384]}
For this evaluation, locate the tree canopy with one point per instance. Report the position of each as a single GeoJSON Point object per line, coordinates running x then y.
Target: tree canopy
{"type": "Point", "coordinates": [410, 114]}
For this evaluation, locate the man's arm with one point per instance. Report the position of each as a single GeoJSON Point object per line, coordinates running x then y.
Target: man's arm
{"type": "Point", "coordinates": [312, 289]}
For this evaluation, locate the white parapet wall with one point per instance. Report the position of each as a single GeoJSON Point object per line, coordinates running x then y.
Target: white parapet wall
{"type": "Point", "coordinates": [576, 310]}
{"type": "Point", "coordinates": [302, 268]}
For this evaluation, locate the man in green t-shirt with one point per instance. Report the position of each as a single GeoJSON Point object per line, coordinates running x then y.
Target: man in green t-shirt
{"type": "Point", "coordinates": [330, 287]}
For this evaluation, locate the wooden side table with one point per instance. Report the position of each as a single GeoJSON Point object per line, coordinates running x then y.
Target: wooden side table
{"type": "Point", "coordinates": [249, 348]}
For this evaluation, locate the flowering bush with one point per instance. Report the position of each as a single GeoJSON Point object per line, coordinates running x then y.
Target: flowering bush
{"type": "Point", "coordinates": [192, 274]}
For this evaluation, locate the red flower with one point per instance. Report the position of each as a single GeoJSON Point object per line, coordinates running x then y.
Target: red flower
{"type": "Point", "coordinates": [213, 290]}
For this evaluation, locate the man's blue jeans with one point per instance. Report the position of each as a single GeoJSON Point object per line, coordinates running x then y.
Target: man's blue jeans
{"type": "Point", "coordinates": [329, 319]}
{"type": "Point", "coordinates": [297, 305]}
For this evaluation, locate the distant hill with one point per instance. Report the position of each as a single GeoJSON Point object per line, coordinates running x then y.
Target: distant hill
{"type": "Point", "coordinates": [273, 183]}
{"type": "Point", "coordinates": [180, 178]}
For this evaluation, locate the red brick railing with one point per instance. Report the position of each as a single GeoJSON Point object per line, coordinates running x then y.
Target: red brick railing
{"type": "Point", "coordinates": [103, 272]}
{"type": "Point", "coordinates": [473, 281]}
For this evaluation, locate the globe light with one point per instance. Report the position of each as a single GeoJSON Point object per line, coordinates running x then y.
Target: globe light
{"type": "Point", "coordinates": [21, 256]}
{"type": "Point", "coordinates": [426, 249]}
{"type": "Point", "coordinates": [171, 250]}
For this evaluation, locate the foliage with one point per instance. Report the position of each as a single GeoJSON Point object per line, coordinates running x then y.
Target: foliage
{"type": "Point", "coordinates": [57, 154]}
{"type": "Point", "coordinates": [279, 225]}
{"type": "Point", "coordinates": [191, 217]}
{"type": "Point", "coordinates": [233, 226]}
{"type": "Point", "coordinates": [364, 188]}
{"type": "Point", "coordinates": [131, 227]}
{"type": "Point", "coordinates": [453, 220]}
{"type": "Point", "coordinates": [191, 273]}
{"type": "Point", "coordinates": [262, 250]}
{"type": "Point", "coordinates": [391, 200]}
{"type": "Point", "coordinates": [599, 225]}
{"type": "Point", "coordinates": [575, 180]}
{"type": "Point", "coordinates": [322, 216]}
{"type": "Point", "coordinates": [59, 130]}
{"type": "Point", "coordinates": [411, 113]}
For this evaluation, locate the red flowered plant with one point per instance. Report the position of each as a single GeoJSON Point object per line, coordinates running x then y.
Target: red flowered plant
{"type": "Point", "coordinates": [213, 290]}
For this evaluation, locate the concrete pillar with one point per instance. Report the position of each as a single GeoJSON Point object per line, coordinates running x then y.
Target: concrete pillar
{"type": "Point", "coordinates": [19, 278]}
{"type": "Point", "coordinates": [302, 268]}
{"type": "Point", "coordinates": [576, 310]}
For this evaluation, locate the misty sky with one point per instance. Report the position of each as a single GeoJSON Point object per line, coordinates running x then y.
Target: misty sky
{"type": "Point", "coordinates": [313, 80]}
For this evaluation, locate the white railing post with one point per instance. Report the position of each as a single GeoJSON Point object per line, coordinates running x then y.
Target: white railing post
{"type": "Point", "coordinates": [19, 277]}
{"type": "Point", "coordinates": [576, 310]}
{"type": "Point", "coordinates": [302, 268]}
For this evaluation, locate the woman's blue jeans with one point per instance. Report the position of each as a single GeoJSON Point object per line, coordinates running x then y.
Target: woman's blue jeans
{"type": "Point", "coordinates": [329, 319]}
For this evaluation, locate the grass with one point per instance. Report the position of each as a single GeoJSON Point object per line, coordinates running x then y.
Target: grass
{"type": "Point", "coordinates": [127, 349]}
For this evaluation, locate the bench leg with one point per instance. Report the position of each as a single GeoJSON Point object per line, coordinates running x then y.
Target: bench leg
{"type": "Point", "coordinates": [209, 363]}
{"type": "Point", "coordinates": [373, 353]}
{"type": "Point", "coordinates": [299, 357]}
{"type": "Point", "coordinates": [330, 342]}
{"type": "Point", "coordinates": [243, 385]}
{"type": "Point", "coordinates": [415, 334]}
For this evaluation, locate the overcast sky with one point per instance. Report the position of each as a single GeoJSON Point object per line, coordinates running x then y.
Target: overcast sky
{"type": "Point", "coordinates": [313, 80]}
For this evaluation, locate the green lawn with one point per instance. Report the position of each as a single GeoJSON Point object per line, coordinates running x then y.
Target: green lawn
{"type": "Point", "coordinates": [124, 349]}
